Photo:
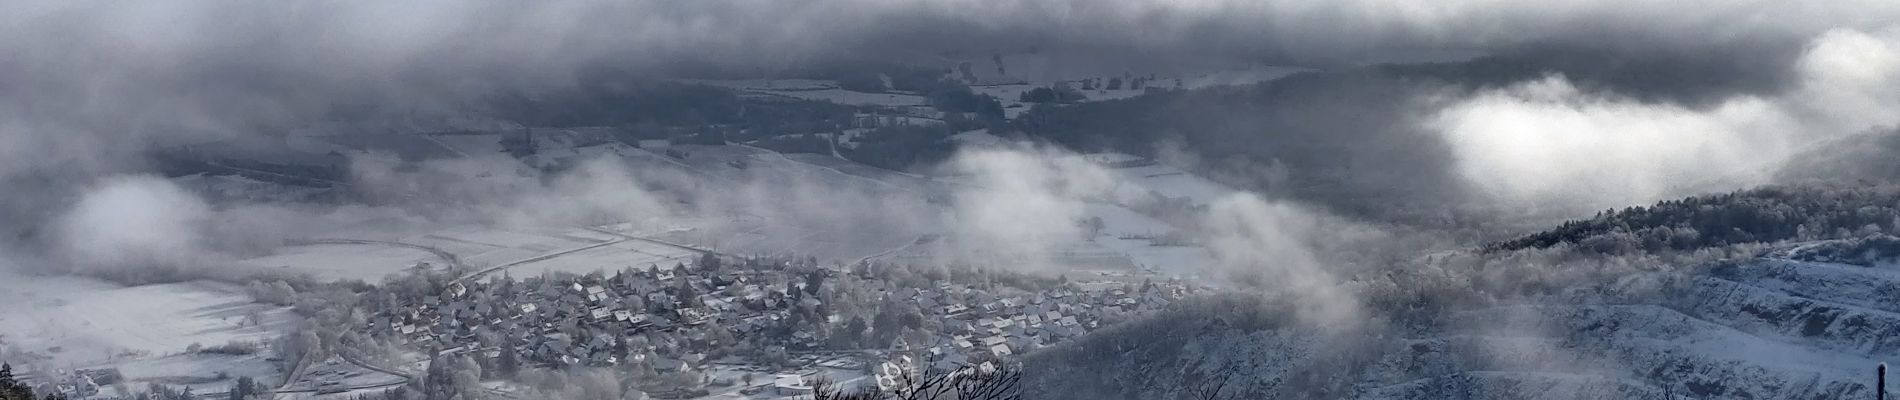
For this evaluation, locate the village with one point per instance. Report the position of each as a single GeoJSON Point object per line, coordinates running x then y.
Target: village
{"type": "Point", "coordinates": [718, 323]}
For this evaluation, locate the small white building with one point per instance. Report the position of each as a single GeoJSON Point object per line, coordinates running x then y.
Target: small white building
{"type": "Point", "coordinates": [791, 385]}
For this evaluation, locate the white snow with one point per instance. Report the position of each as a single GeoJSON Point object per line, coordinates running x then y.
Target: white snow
{"type": "Point", "coordinates": [609, 258]}
{"type": "Point", "coordinates": [330, 262]}
{"type": "Point", "coordinates": [814, 89]}
{"type": "Point", "coordinates": [1171, 182]}
{"type": "Point", "coordinates": [842, 96]}
{"type": "Point", "coordinates": [490, 246]}
{"type": "Point", "coordinates": [767, 84]}
{"type": "Point", "coordinates": [66, 321]}
{"type": "Point", "coordinates": [201, 371]}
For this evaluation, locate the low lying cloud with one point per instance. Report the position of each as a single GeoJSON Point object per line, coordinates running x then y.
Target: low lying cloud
{"type": "Point", "coordinates": [135, 221]}
{"type": "Point", "coordinates": [1290, 250]}
{"type": "Point", "coordinates": [1025, 204]}
{"type": "Point", "coordinates": [498, 190]}
{"type": "Point", "coordinates": [1547, 143]}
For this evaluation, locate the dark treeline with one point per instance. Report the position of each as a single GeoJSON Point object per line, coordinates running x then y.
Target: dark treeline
{"type": "Point", "coordinates": [1343, 138]}
{"type": "Point", "coordinates": [14, 389]}
{"type": "Point", "coordinates": [651, 107]}
{"type": "Point", "coordinates": [1762, 215]}
{"type": "Point", "coordinates": [903, 147]}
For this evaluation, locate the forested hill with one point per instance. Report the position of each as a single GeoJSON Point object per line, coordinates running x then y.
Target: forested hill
{"type": "Point", "coordinates": [1762, 215]}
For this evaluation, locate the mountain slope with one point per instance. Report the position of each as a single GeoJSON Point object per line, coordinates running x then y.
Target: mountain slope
{"type": "Point", "coordinates": [1762, 328]}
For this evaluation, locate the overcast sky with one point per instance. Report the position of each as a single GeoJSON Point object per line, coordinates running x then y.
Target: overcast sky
{"type": "Point", "coordinates": [87, 85]}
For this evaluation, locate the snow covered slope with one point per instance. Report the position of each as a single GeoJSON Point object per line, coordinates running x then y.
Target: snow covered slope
{"type": "Point", "coordinates": [1765, 329]}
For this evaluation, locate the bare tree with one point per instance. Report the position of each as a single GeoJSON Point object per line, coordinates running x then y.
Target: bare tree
{"type": "Point", "coordinates": [913, 385]}
{"type": "Point", "coordinates": [824, 389]}
{"type": "Point", "coordinates": [995, 383]}
{"type": "Point", "coordinates": [1210, 389]}
{"type": "Point", "coordinates": [985, 382]}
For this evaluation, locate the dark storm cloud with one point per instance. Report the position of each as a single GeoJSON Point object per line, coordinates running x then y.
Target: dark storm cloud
{"type": "Point", "coordinates": [86, 86]}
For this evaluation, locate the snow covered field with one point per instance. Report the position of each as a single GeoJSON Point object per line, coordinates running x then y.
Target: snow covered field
{"type": "Point", "coordinates": [1165, 180]}
{"type": "Point", "coordinates": [145, 332]}
{"type": "Point", "coordinates": [369, 262]}
{"type": "Point", "coordinates": [608, 258]}
{"type": "Point", "coordinates": [814, 89]}
{"type": "Point", "coordinates": [67, 321]}
{"type": "Point", "coordinates": [767, 84]}
{"type": "Point", "coordinates": [842, 96]}
{"type": "Point", "coordinates": [479, 246]}
{"type": "Point", "coordinates": [204, 373]}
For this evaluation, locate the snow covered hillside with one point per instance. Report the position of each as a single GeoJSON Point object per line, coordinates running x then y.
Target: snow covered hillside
{"type": "Point", "coordinates": [1766, 328]}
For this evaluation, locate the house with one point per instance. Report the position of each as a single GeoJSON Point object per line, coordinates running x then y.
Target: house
{"type": "Point", "coordinates": [600, 343]}
{"type": "Point", "coordinates": [1001, 350]}
{"type": "Point", "coordinates": [994, 340]}
{"type": "Point", "coordinates": [452, 350]}
{"type": "Point", "coordinates": [694, 316]}
{"type": "Point", "coordinates": [791, 385]}
{"type": "Point", "coordinates": [951, 361]}
{"type": "Point", "coordinates": [717, 304]}
{"type": "Point", "coordinates": [661, 324]}
{"type": "Point", "coordinates": [1002, 323]}
{"type": "Point", "coordinates": [668, 365]}
{"type": "Point", "coordinates": [659, 298]}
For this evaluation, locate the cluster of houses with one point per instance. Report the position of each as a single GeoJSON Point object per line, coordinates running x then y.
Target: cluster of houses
{"type": "Point", "coordinates": [75, 384]}
{"type": "Point", "coordinates": [981, 326]}
{"type": "Point", "coordinates": [670, 318]}
{"type": "Point", "coordinates": [588, 319]}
